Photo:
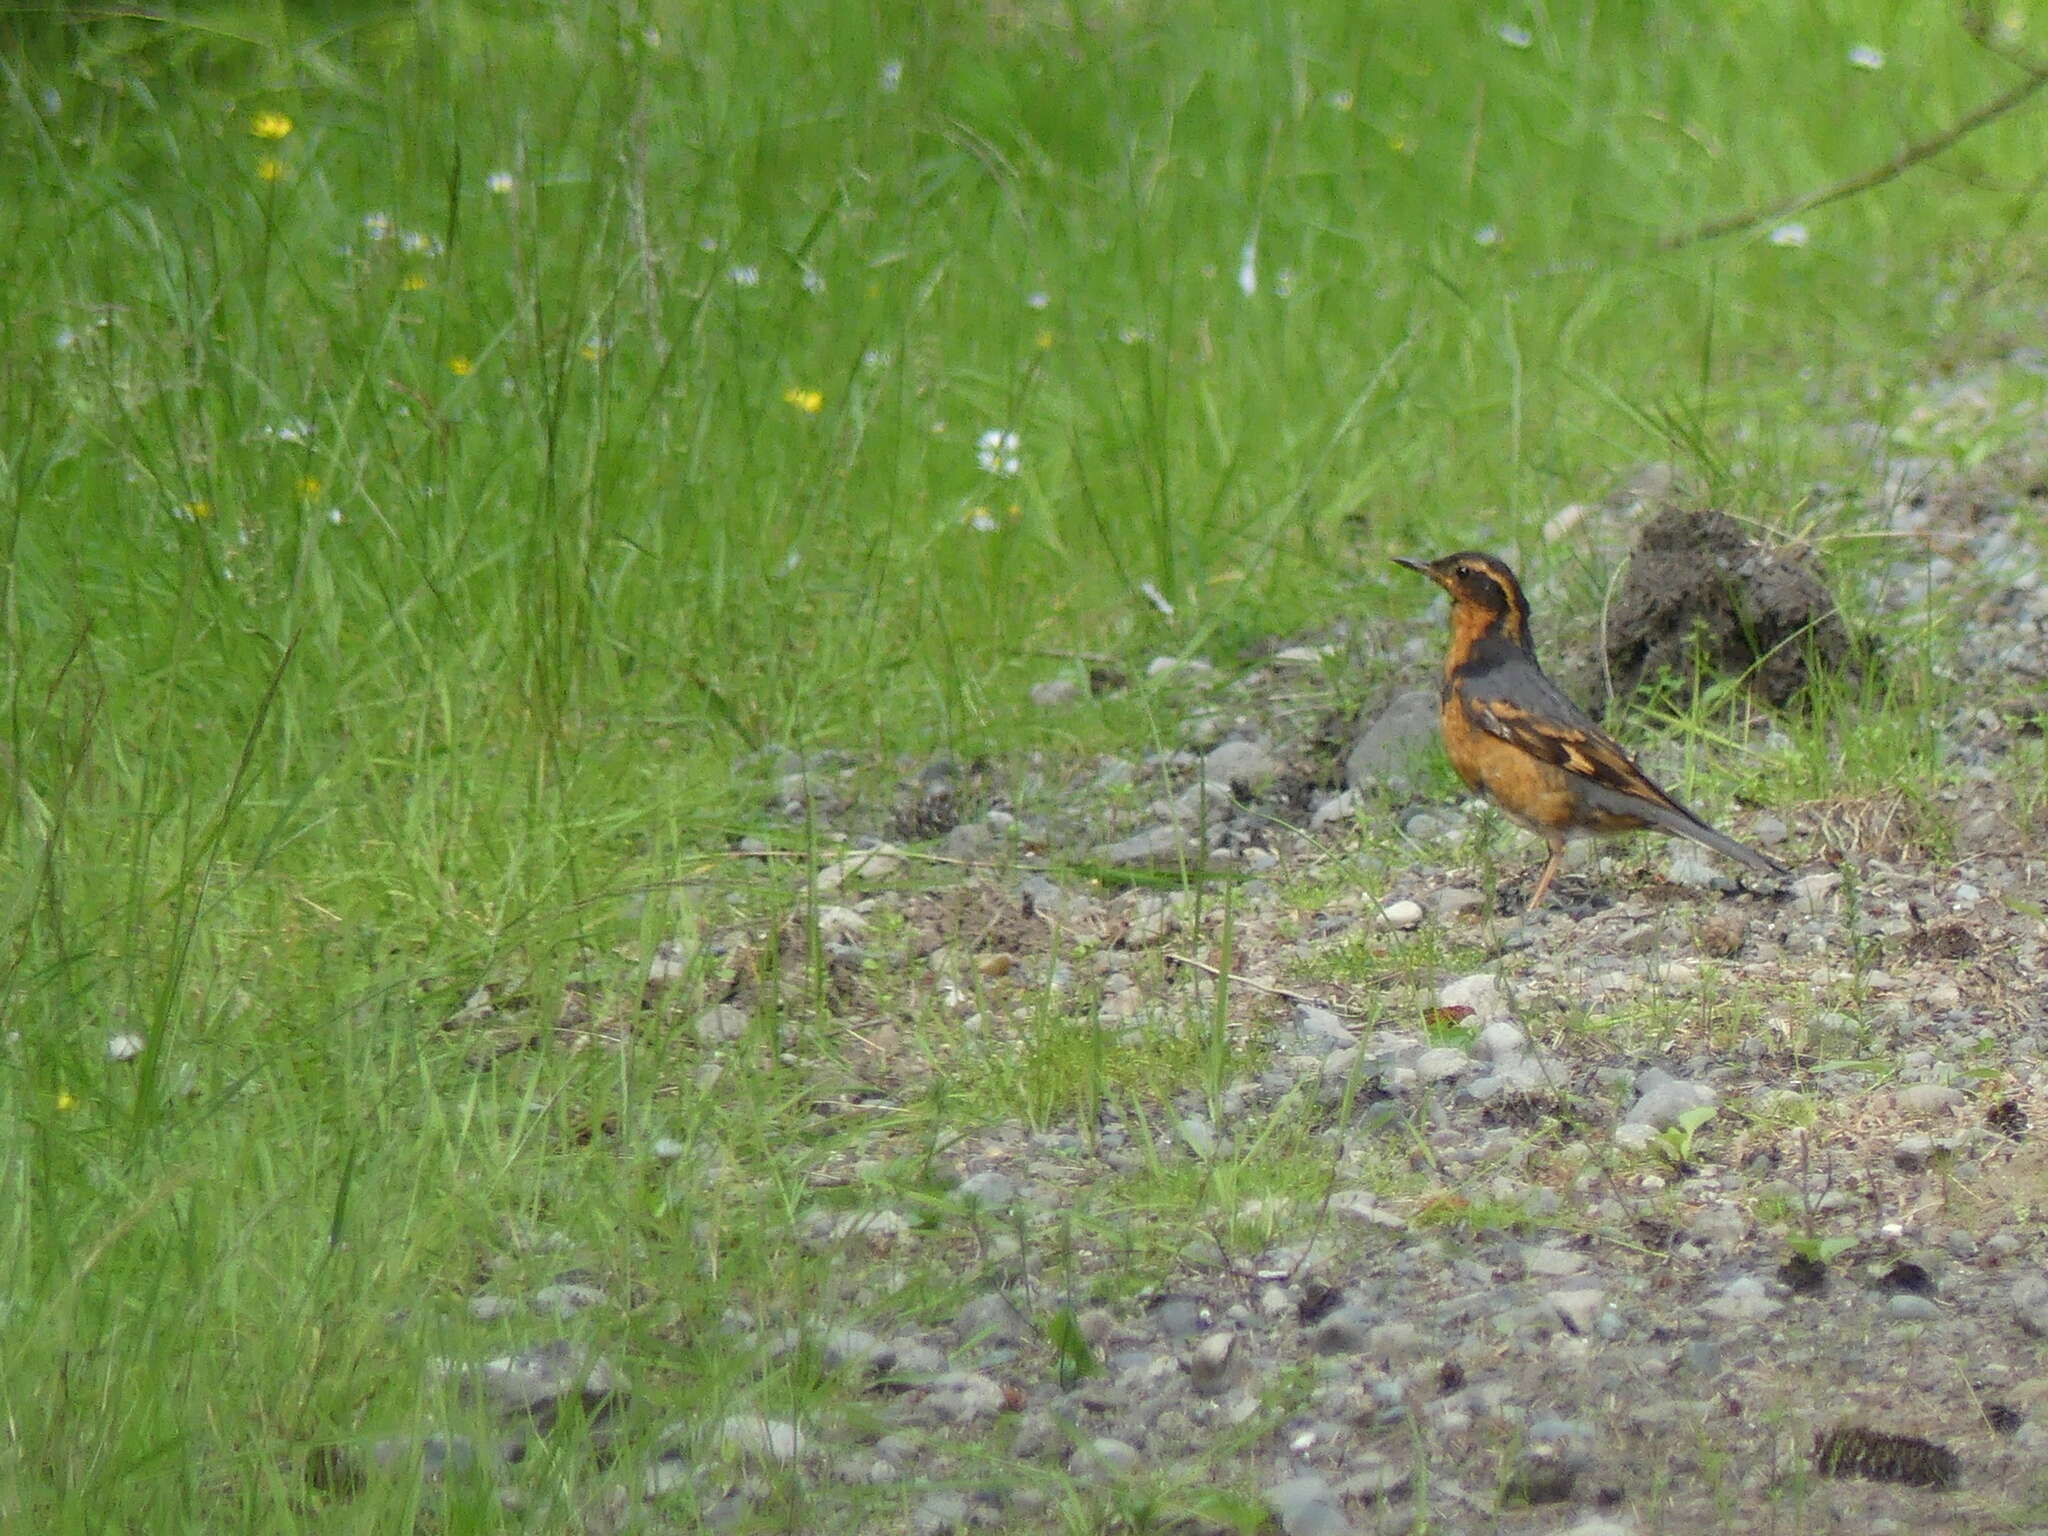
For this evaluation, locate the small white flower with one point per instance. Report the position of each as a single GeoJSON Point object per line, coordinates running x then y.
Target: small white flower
{"type": "Point", "coordinates": [981, 521]}
{"type": "Point", "coordinates": [892, 74]}
{"type": "Point", "coordinates": [334, 516]}
{"type": "Point", "coordinates": [744, 276]}
{"type": "Point", "coordinates": [501, 182]}
{"type": "Point", "coordinates": [707, 243]}
{"type": "Point", "coordinates": [1340, 101]}
{"type": "Point", "coordinates": [1037, 299]}
{"type": "Point", "coordinates": [790, 562]}
{"type": "Point", "coordinates": [125, 1046]}
{"type": "Point", "coordinates": [1863, 56]}
{"type": "Point", "coordinates": [939, 427]}
{"type": "Point", "coordinates": [878, 357]}
{"type": "Point", "coordinates": [378, 226]}
{"type": "Point", "coordinates": [812, 280]}
{"type": "Point", "coordinates": [1514, 36]}
{"type": "Point", "coordinates": [1156, 598]}
{"type": "Point", "coordinates": [1283, 283]}
{"type": "Point", "coordinates": [1248, 266]}
{"type": "Point", "coordinates": [1131, 335]}
{"type": "Point", "coordinates": [416, 243]}
{"type": "Point", "coordinates": [1791, 236]}
{"type": "Point", "coordinates": [293, 429]}
{"type": "Point", "coordinates": [996, 451]}
{"type": "Point", "coordinates": [65, 339]}
{"type": "Point", "coordinates": [1486, 234]}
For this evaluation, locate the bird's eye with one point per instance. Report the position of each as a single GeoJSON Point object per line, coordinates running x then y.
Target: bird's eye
{"type": "Point", "coordinates": [1464, 570]}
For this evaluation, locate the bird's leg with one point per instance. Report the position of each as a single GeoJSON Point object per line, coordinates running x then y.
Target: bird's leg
{"type": "Point", "coordinates": [1550, 868]}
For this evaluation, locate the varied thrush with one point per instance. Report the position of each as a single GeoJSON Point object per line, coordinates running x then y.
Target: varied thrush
{"type": "Point", "coordinates": [1514, 737]}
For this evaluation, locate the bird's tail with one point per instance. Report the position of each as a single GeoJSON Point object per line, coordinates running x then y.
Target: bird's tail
{"type": "Point", "coordinates": [1676, 818]}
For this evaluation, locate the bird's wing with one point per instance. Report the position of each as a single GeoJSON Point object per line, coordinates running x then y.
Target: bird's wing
{"type": "Point", "coordinates": [1512, 699]}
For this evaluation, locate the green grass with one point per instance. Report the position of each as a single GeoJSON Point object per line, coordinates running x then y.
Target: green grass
{"type": "Point", "coordinates": [389, 608]}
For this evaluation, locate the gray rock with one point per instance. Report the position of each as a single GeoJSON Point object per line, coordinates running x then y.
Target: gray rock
{"type": "Point", "coordinates": [1815, 894]}
{"type": "Point", "coordinates": [723, 1022]}
{"type": "Point", "coordinates": [1664, 1098]}
{"type": "Point", "coordinates": [1481, 992]}
{"type": "Point", "coordinates": [1577, 1310]}
{"type": "Point", "coordinates": [1913, 1308]}
{"type": "Point", "coordinates": [963, 1397]}
{"type": "Point", "coordinates": [1912, 1154]}
{"type": "Point", "coordinates": [755, 1438]}
{"type": "Point", "coordinates": [1245, 763]}
{"type": "Point", "coordinates": [1212, 1368]}
{"type": "Point", "coordinates": [989, 1189]}
{"type": "Point", "coordinates": [1743, 1299]}
{"type": "Point", "coordinates": [566, 1299]}
{"type": "Point", "coordinates": [1689, 864]}
{"type": "Point", "coordinates": [1454, 901]}
{"type": "Point", "coordinates": [1500, 1040]}
{"type": "Point", "coordinates": [1307, 1506]}
{"type": "Point", "coordinates": [1928, 1099]}
{"type": "Point", "coordinates": [1552, 1263]}
{"type": "Point", "coordinates": [991, 1318]}
{"type": "Point", "coordinates": [1055, 693]}
{"type": "Point", "coordinates": [1394, 750]}
{"type": "Point", "coordinates": [1441, 1062]}
{"type": "Point", "coordinates": [1346, 1331]}
{"type": "Point", "coordinates": [1105, 1453]}
{"type": "Point", "coordinates": [1164, 844]}
{"type": "Point", "coordinates": [486, 1308]}
{"type": "Point", "coordinates": [1318, 1032]}
{"type": "Point", "coordinates": [1402, 915]}
{"type": "Point", "coordinates": [1178, 1317]}
{"type": "Point", "coordinates": [2029, 1297]}
{"type": "Point", "coordinates": [939, 1514]}
{"type": "Point", "coordinates": [1338, 807]}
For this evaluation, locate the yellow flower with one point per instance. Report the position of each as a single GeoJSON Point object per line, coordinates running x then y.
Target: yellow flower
{"type": "Point", "coordinates": [1043, 341]}
{"type": "Point", "coordinates": [460, 366]}
{"type": "Point", "coordinates": [269, 169]}
{"type": "Point", "coordinates": [66, 1101]}
{"type": "Point", "coordinates": [198, 511]}
{"type": "Point", "coordinates": [413, 282]}
{"type": "Point", "coordinates": [1401, 144]}
{"type": "Point", "coordinates": [309, 486]}
{"type": "Point", "coordinates": [270, 125]}
{"type": "Point", "coordinates": [809, 401]}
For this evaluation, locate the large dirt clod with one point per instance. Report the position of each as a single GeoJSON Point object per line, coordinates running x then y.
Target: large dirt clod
{"type": "Point", "coordinates": [1702, 593]}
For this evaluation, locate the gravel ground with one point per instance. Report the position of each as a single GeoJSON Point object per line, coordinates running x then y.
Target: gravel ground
{"type": "Point", "coordinates": [1684, 1205]}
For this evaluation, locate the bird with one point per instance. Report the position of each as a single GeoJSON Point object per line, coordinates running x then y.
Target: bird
{"type": "Point", "coordinates": [1514, 737]}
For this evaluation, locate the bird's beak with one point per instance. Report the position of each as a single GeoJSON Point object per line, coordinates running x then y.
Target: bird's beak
{"type": "Point", "coordinates": [1420, 565]}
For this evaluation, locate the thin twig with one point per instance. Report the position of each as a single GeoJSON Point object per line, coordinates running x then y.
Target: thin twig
{"type": "Point", "coordinates": [1923, 149]}
{"type": "Point", "coordinates": [1246, 981]}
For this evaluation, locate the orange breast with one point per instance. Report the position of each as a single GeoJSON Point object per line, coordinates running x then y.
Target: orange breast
{"type": "Point", "coordinates": [1540, 796]}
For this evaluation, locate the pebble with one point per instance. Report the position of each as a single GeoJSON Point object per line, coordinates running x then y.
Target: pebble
{"type": "Point", "coordinates": [1441, 1062]}
{"type": "Point", "coordinates": [1318, 1032]}
{"type": "Point", "coordinates": [1500, 1040]}
{"type": "Point", "coordinates": [1912, 1308]}
{"type": "Point", "coordinates": [721, 1023]}
{"type": "Point", "coordinates": [1663, 1098]}
{"type": "Point", "coordinates": [761, 1439]}
{"type": "Point", "coordinates": [1210, 1365]}
{"type": "Point", "coordinates": [1107, 1453]}
{"type": "Point", "coordinates": [989, 1189]}
{"type": "Point", "coordinates": [566, 1300]}
{"type": "Point", "coordinates": [1307, 1506]}
{"type": "Point", "coordinates": [125, 1046]}
{"type": "Point", "coordinates": [1055, 693]}
{"type": "Point", "coordinates": [962, 1397]}
{"type": "Point", "coordinates": [1814, 894]}
{"type": "Point", "coordinates": [1393, 751]}
{"type": "Point", "coordinates": [992, 1317]}
{"type": "Point", "coordinates": [2029, 1300]}
{"type": "Point", "coordinates": [1402, 915]}
{"type": "Point", "coordinates": [1457, 900]}
{"type": "Point", "coordinates": [1163, 844]}
{"type": "Point", "coordinates": [1481, 992]}
{"type": "Point", "coordinates": [1928, 1099]}
{"type": "Point", "coordinates": [1245, 763]}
